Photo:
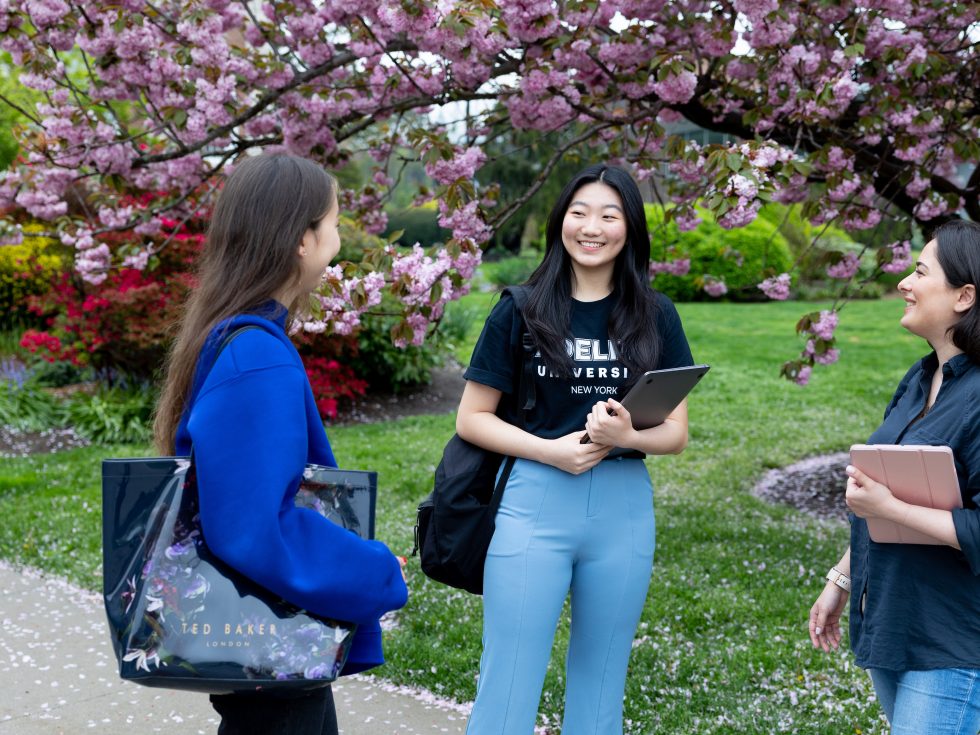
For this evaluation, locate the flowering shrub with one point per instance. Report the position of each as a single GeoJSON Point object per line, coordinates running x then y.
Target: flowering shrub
{"type": "Point", "coordinates": [367, 359]}
{"type": "Point", "coordinates": [122, 323]}
{"type": "Point", "coordinates": [26, 269]}
{"type": "Point", "coordinates": [332, 384]}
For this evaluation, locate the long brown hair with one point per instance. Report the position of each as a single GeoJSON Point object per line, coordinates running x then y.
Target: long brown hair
{"type": "Point", "coordinates": [267, 204]}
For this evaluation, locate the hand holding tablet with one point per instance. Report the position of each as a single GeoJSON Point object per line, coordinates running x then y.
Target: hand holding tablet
{"type": "Point", "coordinates": [917, 474]}
{"type": "Point", "coordinates": [657, 393]}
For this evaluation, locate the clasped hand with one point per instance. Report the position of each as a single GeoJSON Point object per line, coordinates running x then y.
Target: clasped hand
{"type": "Point", "coordinates": [605, 429]}
{"type": "Point", "coordinates": [609, 423]}
{"type": "Point", "coordinates": [867, 498]}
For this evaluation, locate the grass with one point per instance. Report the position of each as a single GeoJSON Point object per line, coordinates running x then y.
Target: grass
{"type": "Point", "coordinates": [722, 646]}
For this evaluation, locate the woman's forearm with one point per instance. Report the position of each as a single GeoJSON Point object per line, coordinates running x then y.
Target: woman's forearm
{"type": "Point", "coordinates": [930, 521]}
{"type": "Point", "coordinates": [489, 431]}
{"type": "Point", "coordinates": [670, 437]}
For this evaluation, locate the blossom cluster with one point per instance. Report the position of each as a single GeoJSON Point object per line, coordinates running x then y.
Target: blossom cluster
{"type": "Point", "coordinates": [421, 283]}
{"type": "Point", "coordinates": [818, 330]}
{"type": "Point", "coordinates": [776, 287]}
{"type": "Point", "coordinates": [714, 287]}
{"type": "Point", "coordinates": [678, 267]}
{"type": "Point", "coordinates": [845, 268]}
{"type": "Point", "coordinates": [901, 257]}
{"type": "Point", "coordinates": [342, 301]}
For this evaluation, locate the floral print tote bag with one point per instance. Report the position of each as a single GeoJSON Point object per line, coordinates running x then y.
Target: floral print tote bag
{"type": "Point", "coordinates": [180, 618]}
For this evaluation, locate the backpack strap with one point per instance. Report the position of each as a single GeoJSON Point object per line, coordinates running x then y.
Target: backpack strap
{"type": "Point", "coordinates": [527, 395]}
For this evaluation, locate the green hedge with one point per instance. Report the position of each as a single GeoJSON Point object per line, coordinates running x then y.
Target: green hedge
{"type": "Point", "coordinates": [741, 257]}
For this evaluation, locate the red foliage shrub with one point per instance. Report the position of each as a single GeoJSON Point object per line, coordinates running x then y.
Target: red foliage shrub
{"type": "Point", "coordinates": [334, 385]}
{"type": "Point", "coordinates": [123, 323]}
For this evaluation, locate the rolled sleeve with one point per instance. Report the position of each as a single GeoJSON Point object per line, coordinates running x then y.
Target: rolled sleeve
{"type": "Point", "coordinates": [967, 523]}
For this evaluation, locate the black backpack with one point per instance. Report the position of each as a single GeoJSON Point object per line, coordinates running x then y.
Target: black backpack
{"type": "Point", "coordinates": [455, 522]}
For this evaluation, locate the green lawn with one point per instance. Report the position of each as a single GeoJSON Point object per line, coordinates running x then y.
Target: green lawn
{"type": "Point", "coordinates": [722, 646]}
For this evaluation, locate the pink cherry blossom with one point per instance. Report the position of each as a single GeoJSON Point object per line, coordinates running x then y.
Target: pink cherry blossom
{"type": "Point", "coordinates": [679, 267]}
{"type": "Point", "coordinates": [714, 287]}
{"type": "Point", "coordinates": [776, 287]}
{"type": "Point", "coordinates": [676, 88]}
{"type": "Point", "coordinates": [901, 257]}
{"type": "Point", "coordinates": [826, 324]}
{"type": "Point", "coordinates": [174, 94]}
{"type": "Point", "coordinates": [845, 268]}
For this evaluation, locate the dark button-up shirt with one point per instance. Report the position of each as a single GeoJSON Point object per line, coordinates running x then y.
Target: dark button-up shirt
{"type": "Point", "coordinates": [916, 606]}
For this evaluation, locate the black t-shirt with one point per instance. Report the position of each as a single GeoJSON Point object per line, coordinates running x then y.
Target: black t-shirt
{"type": "Point", "coordinates": [563, 403]}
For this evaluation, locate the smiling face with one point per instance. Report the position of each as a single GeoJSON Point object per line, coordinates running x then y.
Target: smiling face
{"type": "Point", "coordinates": [932, 306]}
{"type": "Point", "coordinates": [594, 229]}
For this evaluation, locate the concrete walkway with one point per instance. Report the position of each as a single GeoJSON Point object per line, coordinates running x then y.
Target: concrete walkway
{"type": "Point", "coordinates": [58, 677]}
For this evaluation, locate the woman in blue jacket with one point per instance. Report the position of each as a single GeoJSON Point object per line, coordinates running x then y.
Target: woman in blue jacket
{"type": "Point", "coordinates": [251, 418]}
{"type": "Point", "coordinates": [915, 608]}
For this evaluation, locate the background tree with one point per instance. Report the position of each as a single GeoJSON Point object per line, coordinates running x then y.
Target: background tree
{"type": "Point", "coordinates": [852, 107]}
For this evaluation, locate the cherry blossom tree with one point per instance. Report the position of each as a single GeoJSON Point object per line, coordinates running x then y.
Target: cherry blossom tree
{"type": "Point", "coordinates": [854, 108]}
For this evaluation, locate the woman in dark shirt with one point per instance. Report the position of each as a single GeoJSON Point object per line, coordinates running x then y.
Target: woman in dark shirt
{"type": "Point", "coordinates": [574, 517]}
{"type": "Point", "coordinates": [915, 608]}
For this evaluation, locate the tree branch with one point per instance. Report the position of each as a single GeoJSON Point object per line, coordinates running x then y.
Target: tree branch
{"type": "Point", "coordinates": [501, 217]}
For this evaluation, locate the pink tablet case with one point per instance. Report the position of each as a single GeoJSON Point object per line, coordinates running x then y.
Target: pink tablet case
{"type": "Point", "coordinates": [921, 475]}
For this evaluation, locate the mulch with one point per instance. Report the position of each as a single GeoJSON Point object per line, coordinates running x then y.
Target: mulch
{"type": "Point", "coordinates": [441, 395]}
{"type": "Point", "coordinates": [814, 485]}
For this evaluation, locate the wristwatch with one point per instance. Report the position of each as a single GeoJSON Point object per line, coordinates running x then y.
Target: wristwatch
{"type": "Point", "coordinates": [838, 577]}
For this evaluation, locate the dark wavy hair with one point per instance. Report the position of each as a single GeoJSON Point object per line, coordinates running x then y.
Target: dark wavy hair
{"type": "Point", "coordinates": [632, 324]}
{"type": "Point", "coordinates": [958, 252]}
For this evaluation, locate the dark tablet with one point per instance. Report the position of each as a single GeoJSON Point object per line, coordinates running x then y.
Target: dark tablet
{"type": "Point", "coordinates": [657, 393]}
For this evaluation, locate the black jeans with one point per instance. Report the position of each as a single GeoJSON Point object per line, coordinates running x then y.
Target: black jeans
{"type": "Point", "coordinates": [273, 713]}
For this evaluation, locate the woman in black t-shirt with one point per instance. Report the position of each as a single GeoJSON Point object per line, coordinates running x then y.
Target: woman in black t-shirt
{"type": "Point", "coordinates": [915, 607]}
{"type": "Point", "coordinates": [568, 520]}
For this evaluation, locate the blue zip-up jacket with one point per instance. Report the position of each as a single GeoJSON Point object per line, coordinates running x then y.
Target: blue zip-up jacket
{"type": "Point", "coordinates": [254, 426]}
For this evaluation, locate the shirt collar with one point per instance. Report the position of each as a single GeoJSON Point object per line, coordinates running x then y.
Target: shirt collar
{"type": "Point", "coordinates": [957, 364]}
{"type": "Point", "coordinates": [954, 366]}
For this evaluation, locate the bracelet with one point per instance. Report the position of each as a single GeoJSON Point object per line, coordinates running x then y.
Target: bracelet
{"type": "Point", "coordinates": [838, 577]}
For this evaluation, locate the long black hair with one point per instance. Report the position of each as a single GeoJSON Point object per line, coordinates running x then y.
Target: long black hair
{"type": "Point", "coordinates": [632, 323]}
{"type": "Point", "coordinates": [958, 253]}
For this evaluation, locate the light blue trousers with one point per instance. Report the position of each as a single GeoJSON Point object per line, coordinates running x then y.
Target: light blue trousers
{"type": "Point", "coordinates": [592, 534]}
{"type": "Point", "coordinates": [937, 702]}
